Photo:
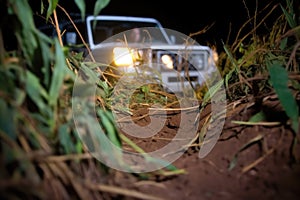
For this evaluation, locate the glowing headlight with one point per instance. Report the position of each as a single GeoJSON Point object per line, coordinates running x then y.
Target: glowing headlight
{"type": "Point", "coordinates": [122, 56]}
{"type": "Point", "coordinates": [167, 61]}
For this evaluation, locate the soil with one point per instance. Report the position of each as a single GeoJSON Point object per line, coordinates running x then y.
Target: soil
{"type": "Point", "coordinates": [268, 168]}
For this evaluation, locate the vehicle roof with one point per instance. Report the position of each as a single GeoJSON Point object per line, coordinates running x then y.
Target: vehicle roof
{"type": "Point", "coordinates": [123, 18]}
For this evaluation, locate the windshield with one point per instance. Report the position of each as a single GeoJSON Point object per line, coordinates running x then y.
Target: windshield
{"type": "Point", "coordinates": [138, 31]}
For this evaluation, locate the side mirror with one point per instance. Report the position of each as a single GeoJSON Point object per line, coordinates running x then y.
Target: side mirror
{"type": "Point", "coordinates": [71, 38]}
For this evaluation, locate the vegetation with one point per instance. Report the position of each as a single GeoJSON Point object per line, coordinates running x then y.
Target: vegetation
{"type": "Point", "coordinates": [39, 143]}
{"type": "Point", "coordinates": [262, 65]}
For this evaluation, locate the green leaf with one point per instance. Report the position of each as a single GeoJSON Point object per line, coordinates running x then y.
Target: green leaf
{"type": "Point", "coordinates": [145, 89]}
{"type": "Point", "coordinates": [81, 5]}
{"type": "Point", "coordinates": [147, 157]}
{"type": "Point", "coordinates": [19, 96]}
{"type": "Point", "coordinates": [213, 90]}
{"type": "Point", "coordinates": [106, 89]}
{"type": "Point", "coordinates": [79, 147]}
{"type": "Point", "coordinates": [99, 5]}
{"type": "Point", "coordinates": [65, 138]}
{"type": "Point", "coordinates": [46, 54]}
{"type": "Point", "coordinates": [6, 82]}
{"type": "Point", "coordinates": [258, 117]}
{"type": "Point", "coordinates": [36, 92]}
{"type": "Point", "coordinates": [231, 58]}
{"type": "Point", "coordinates": [42, 7]}
{"type": "Point", "coordinates": [234, 62]}
{"type": "Point", "coordinates": [92, 75]}
{"type": "Point", "coordinates": [109, 126]}
{"type": "Point", "coordinates": [95, 137]}
{"type": "Point", "coordinates": [24, 13]}
{"type": "Point", "coordinates": [7, 119]}
{"type": "Point", "coordinates": [59, 73]}
{"type": "Point", "coordinates": [251, 142]}
{"type": "Point", "coordinates": [26, 36]}
{"type": "Point", "coordinates": [279, 79]}
{"type": "Point", "coordinates": [233, 162]}
{"type": "Point", "coordinates": [51, 8]}
{"type": "Point", "coordinates": [289, 15]}
{"type": "Point", "coordinates": [283, 43]}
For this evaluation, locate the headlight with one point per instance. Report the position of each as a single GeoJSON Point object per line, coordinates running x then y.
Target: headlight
{"type": "Point", "coordinates": [123, 56]}
{"type": "Point", "coordinates": [126, 57]}
{"type": "Point", "coordinates": [167, 61]}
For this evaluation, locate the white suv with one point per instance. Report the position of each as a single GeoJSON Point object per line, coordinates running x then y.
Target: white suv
{"type": "Point", "coordinates": [178, 60]}
{"type": "Point", "coordinates": [142, 44]}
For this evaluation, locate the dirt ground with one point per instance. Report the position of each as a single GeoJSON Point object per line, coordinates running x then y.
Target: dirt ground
{"type": "Point", "coordinates": [267, 165]}
{"type": "Point", "coordinates": [267, 169]}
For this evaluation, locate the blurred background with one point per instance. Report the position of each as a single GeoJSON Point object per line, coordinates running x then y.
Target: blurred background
{"type": "Point", "coordinates": [223, 17]}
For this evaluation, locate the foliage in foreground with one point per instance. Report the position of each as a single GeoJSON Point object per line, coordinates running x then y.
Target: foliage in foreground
{"type": "Point", "coordinates": [264, 65]}
{"type": "Point", "coordinates": [256, 63]}
{"type": "Point", "coordinates": [41, 153]}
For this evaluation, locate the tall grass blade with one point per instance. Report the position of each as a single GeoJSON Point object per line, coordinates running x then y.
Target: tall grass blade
{"type": "Point", "coordinates": [51, 8]}
{"type": "Point", "coordinates": [99, 5]}
{"type": "Point", "coordinates": [81, 5]}
{"type": "Point", "coordinates": [36, 92]}
{"type": "Point", "coordinates": [251, 142]}
{"type": "Point", "coordinates": [7, 119]}
{"type": "Point", "coordinates": [279, 79]}
{"type": "Point", "coordinates": [25, 33]}
{"type": "Point", "coordinates": [108, 124]}
{"type": "Point", "coordinates": [58, 74]}
{"type": "Point", "coordinates": [289, 14]}
{"type": "Point", "coordinates": [233, 61]}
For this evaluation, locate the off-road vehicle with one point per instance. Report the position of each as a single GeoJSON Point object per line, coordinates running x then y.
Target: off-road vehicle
{"type": "Point", "coordinates": [142, 45]}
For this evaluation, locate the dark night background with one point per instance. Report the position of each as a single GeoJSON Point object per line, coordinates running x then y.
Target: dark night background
{"type": "Point", "coordinates": [188, 16]}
